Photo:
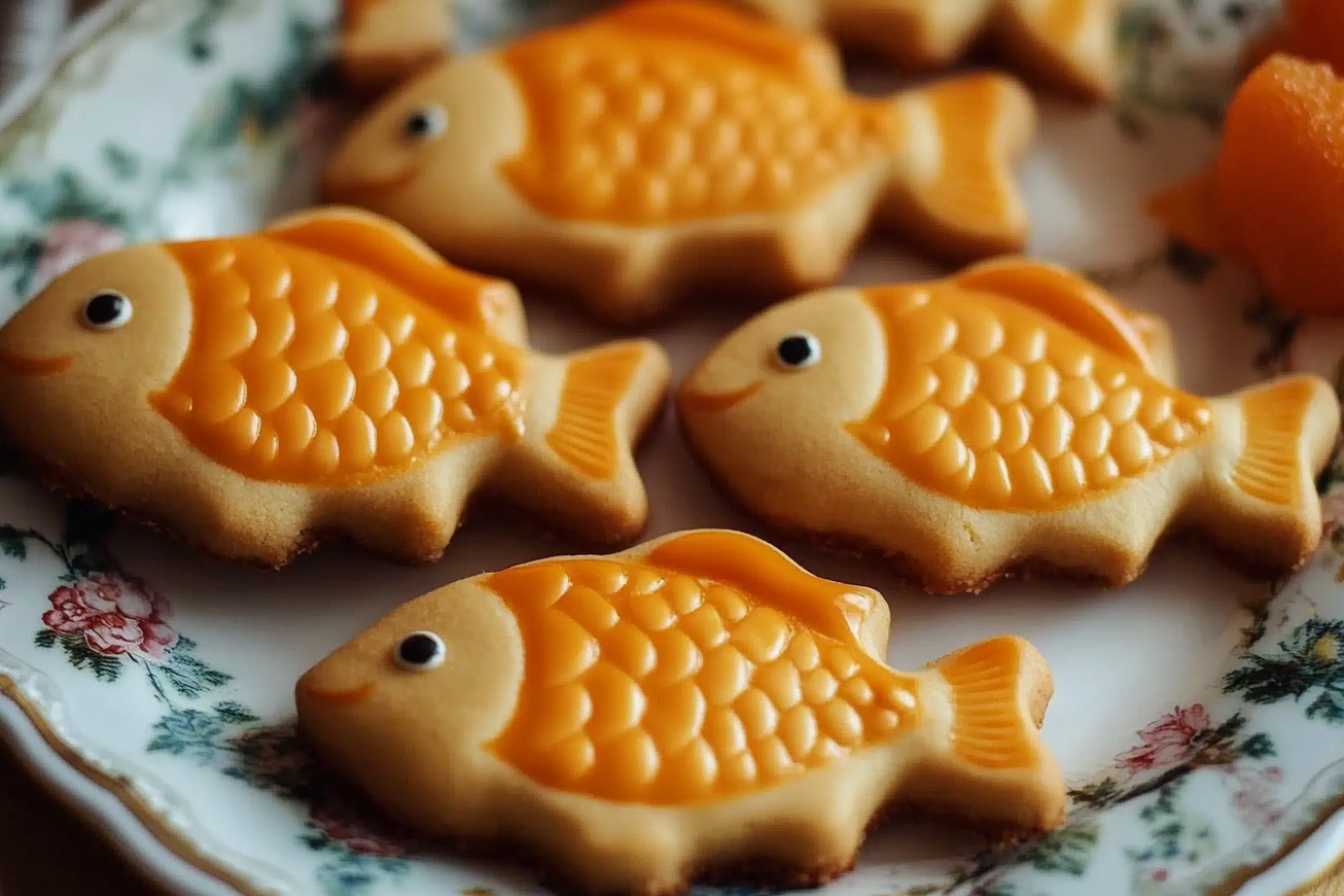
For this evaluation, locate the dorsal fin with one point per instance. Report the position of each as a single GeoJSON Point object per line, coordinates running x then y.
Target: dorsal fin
{"type": "Point", "coordinates": [769, 575]}
{"type": "Point", "coordinates": [1066, 298]}
{"type": "Point", "coordinates": [795, 52]}
{"type": "Point", "coordinates": [395, 254]}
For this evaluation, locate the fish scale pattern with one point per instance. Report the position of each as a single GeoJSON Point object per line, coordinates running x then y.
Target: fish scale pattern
{"type": "Point", "coordinates": [304, 368]}
{"type": "Point", "coordinates": [644, 684]}
{"type": "Point", "coordinates": [1001, 407]}
{"type": "Point", "coordinates": [638, 127]}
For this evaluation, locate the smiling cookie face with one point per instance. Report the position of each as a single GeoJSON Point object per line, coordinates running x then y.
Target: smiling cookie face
{"type": "Point", "coordinates": [781, 389]}
{"type": "Point", "coordinates": [441, 135]}
{"type": "Point", "coordinates": [90, 349]}
{"type": "Point", "coordinates": [125, 315]}
{"type": "Point", "coordinates": [417, 695]}
{"type": "Point", "coordinates": [812, 364]}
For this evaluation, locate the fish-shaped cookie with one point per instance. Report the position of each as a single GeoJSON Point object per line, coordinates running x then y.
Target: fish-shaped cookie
{"type": "Point", "coordinates": [1007, 417]}
{"type": "Point", "coordinates": [386, 41]}
{"type": "Point", "coordinates": [663, 147]}
{"type": "Point", "coordinates": [698, 704]}
{"type": "Point", "coordinates": [1067, 44]}
{"type": "Point", "coordinates": [1274, 197]}
{"type": "Point", "coordinates": [327, 374]}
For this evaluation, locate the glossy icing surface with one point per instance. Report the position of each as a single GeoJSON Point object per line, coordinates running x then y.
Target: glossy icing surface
{"type": "Point", "coordinates": [585, 433]}
{"type": "Point", "coordinates": [1270, 462]}
{"type": "Point", "coordinates": [985, 699]}
{"type": "Point", "coordinates": [665, 112]}
{"type": "Point", "coordinates": [1001, 406]}
{"type": "Point", "coordinates": [645, 683]}
{"type": "Point", "coordinates": [307, 368]}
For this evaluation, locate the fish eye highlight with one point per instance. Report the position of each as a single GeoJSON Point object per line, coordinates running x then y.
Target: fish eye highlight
{"type": "Point", "coordinates": [106, 310]}
{"type": "Point", "coordinates": [797, 350]}
{"type": "Point", "coordinates": [425, 122]}
{"type": "Point", "coordinates": [420, 652]}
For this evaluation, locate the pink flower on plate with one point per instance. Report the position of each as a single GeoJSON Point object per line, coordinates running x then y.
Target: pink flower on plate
{"type": "Point", "coordinates": [116, 615]}
{"type": "Point", "coordinates": [69, 242]}
{"type": "Point", "coordinates": [356, 826]}
{"type": "Point", "coordinates": [1256, 800]}
{"type": "Point", "coordinates": [1168, 741]}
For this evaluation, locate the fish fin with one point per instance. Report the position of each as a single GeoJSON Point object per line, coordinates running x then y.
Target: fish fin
{"type": "Point", "coordinates": [1065, 43]}
{"type": "Point", "coordinates": [1064, 297]}
{"type": "Point", "coordinates": [849, 613]}
{"type": "Point", "coordinates": [994, 758]}
{"type": "Point", "coordinates": [1000, 688]}
{"type": "Point", "coordinates": [959, 139]}
{"type": "Point", "coordinates": [794, 52]}
{"type": "Point", "coordinates": [1189, 212]}
{"type": "Point", "coordinates": [394, 253]}
{"type": "Point", "coordinates": [577, 451]}
{"type": "Point", "coordinates": [1271, 441]}
{"type": "Point", "coordinates": [917, 35]}
{"type": "Point", "coordinates": [1155, 334]}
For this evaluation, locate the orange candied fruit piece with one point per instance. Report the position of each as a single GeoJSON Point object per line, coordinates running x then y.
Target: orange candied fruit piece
{"type": "Point", "coordinates": [1279, 181]}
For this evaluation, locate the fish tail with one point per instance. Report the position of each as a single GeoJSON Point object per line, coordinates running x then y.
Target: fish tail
{"type": "Point", "coordinates": [1270, 442]}
{"type": "Point", "coordinates": [575, 462]}
{"type": "Point", "coordinates": [991, 757]}
{"type": "Point", "coordinates": [1062, 43]}
{"type": "Point", "coordinates": [953, 187]}
{"type": "Point", "coordinates": [919, 35]}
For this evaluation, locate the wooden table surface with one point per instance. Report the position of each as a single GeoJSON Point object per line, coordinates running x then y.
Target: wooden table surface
{"type": "Point", "coordinates": [46, 850]}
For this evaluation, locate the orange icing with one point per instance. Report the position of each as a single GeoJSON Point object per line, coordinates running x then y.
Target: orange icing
{"type": "Point", "coordinates": [647, 684]}
{"type": "Point", "coordinates": [985, 680]}
{"type": "Point", "coordinates": [1271, 466]}
{"type": "Point", "coordinates": [714, 402]}
{"type": "Point", "coordinates": [1279, 181]}
{"type": "Point", "coordinates": [308, 368]}
{"type": "Point", "coordinates": [469, 299]}
{"type": "Point", "coordinates": [585, 429]}
{"type": "Point", "coordinates": [26, 366]}
{"type": "Point", "coordinates": [669, 112]}
{"type": "Point", "coordinates": [1002, 407]}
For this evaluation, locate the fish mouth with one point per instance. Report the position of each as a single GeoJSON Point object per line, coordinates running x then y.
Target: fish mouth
{"type": "Point", "coordinates": [342, 696]}
{"type": "Point", "coordinates": [24, 365]}
{"type": "Point", "coordinates": [361, 187]}
{"type": "Point", "coordinates": [693, 400]}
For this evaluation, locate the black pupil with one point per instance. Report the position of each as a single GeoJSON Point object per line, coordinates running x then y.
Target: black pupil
{"type": "Point", "coordinates": [419, 124]}
{"type": "Point", "coordinates": [104, 308]}
{"type": "Point", "coordinates": [795, 350]}
{"type": "Point", "coordinates": [418, 649]}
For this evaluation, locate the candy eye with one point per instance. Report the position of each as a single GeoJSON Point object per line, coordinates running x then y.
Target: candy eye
{"type": "Point", "coordinates": [426, 122]}
{"type": "Point", "coordinates": [797, 350]}
{"type": "Point", "coordinates": [420, 652]}
{"type": "Point", "coordinates": [107, 310]}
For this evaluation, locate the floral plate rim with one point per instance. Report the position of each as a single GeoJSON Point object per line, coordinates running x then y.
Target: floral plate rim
{"type": "Point", "coordinates": [123, 820]}
{"type": "Point", "coordinates": [142, 828]}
